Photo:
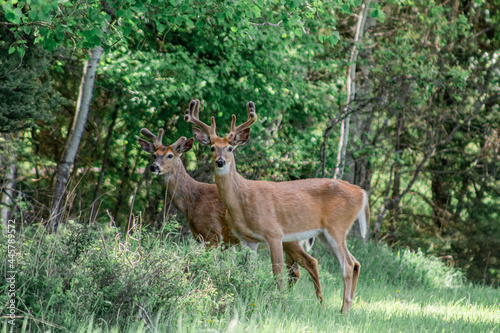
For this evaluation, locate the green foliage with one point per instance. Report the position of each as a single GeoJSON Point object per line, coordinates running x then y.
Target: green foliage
{"type": "Point", "coordinates": [99, 279]}
{"type": "Point", "coordinates": [25, 94]}
{"type": "Point", "coordinates": [93, 23]}
{"type": "Point", "coordinates": [86, 271]}
{"type": "Point", "coordinates": [422, 67]}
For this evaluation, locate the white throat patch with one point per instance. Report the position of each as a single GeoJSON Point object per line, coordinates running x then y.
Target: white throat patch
{"type": "Point", "coordinates": [222, 171]}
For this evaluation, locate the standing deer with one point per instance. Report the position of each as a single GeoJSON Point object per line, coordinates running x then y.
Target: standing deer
{"type": "Point", "coordinates": [204, 212]}
{"type": "Point", "coordinates": [276, 213]}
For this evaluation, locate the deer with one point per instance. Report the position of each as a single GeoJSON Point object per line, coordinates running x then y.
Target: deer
{"type": "Point", "coordinates": [204, 211]}
{"type": "Point", "coordinates": [282, 212]}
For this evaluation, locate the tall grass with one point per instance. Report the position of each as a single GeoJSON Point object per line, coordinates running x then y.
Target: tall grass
{"type": "Point", "coordinates": [95, 278]}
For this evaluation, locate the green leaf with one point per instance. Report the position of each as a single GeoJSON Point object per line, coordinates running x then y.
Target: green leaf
{"type": "Point", "coordinates": [334, 38]}
{"type": "Point", "coordinates": [178, 20]}
{"type": "Point", "coordinates": [127, 14]}
{"type": "Point", "coordinates": [298, 32]}
{"type": "Point", "coordinates": [60, 33]}
{"type": "Point", "coordinates": [256, 11]}
{"type": "Point", "coordinates": [12, 49]}
{"type": "Point", "coordinates": [26, 29]}
{"type": "Point", "coordinates": [189, 23]}
{"type": "Point", "coordinates": [160, 27]}
{"type": "Point", "coordinates": [12, 17]}
{"type": "Point", "coordinates": [234, 29]}
{"type": "Point", "coordinates": [294, 20]}
{"type": "Point", "coordinates": [49, 42]}
{"type": "Point", "coordinates": [378, 13]}
{"type": "Point", "coordinates": [322, 38]}
{"type": "Point", "coordinates": [33, 14]}
{"type": "Point", "coordinates": [345, 9]}
{"type": "Point", "coordinates": [20, 50]}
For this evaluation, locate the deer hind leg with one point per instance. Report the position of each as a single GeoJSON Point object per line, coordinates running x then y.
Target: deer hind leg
{"type": "Point", "coordinates": [348, 264]}
{"type": "Point", "coordinates": [292, 266]}
{"type": "Point", "coordinates": [295, 251]}
{"type": "Point", "coordinates": [355, 273]}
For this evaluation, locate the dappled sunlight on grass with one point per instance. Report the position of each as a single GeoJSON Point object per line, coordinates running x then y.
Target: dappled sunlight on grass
{"type": "Point", "coordinates": [424, 313]}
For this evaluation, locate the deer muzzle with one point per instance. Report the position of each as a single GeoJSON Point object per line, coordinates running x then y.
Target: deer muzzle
{"type": "Point", "coordinates": [154, 168]}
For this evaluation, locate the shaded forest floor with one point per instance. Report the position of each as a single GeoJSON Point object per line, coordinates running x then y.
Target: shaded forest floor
{"type": "Point", "coordinates": [96, 279]}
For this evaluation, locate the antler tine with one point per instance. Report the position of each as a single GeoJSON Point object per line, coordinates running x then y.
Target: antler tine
{"type": "Point", "coordinates": [156, 139]}
{"type": "Point", "coordinates": [160, 138]}
{"type": "Point", "coordinates": [192, 116]}
{"type": "Point", "coordinates": [252, 118]}
{"type": "Point", "coordinates": [178, 142]}
{"type": "Point", "coordinates": [147, 133]}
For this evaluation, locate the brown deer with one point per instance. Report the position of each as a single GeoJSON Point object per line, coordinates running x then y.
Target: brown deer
{"type": "Point", "coordinates": [276, 213]}
{"type": "Point", "coordinates": [204, 212]}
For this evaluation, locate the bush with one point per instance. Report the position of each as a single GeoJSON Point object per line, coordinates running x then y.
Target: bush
{"type": "Point", "coordinates": [86, 271]}
{"type": "Point", "coordinates": [404, 267]}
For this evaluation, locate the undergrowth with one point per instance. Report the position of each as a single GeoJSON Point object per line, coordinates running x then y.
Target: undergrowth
{"type": "Point", "coordinates": [95, 277]}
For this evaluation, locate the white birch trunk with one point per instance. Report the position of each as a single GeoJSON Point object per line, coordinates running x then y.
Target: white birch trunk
{"type": "Point", "coordinates": [351, 89]}
{"type": "Point", "coordinates": [7, 189]}
{"type": "Point", "coordinates": [75, 136]}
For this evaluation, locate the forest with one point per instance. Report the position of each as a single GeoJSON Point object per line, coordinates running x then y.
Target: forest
{"type": "Point", "coordinates": [400, 97]}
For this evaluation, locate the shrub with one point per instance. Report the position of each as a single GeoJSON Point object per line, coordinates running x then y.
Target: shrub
{"type": "Point", "coordinates": [86, 271]}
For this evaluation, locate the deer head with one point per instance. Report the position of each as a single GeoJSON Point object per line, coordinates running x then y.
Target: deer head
{"type": "Point", "coordinates": [166, 156]}
{"type": "Point", "coordinates": [222, 148]}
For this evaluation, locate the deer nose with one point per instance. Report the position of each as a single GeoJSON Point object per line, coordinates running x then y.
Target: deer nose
{"type": "Point", "coordinates": [154, 168]}
{"type": "Point", "coordinates": [220, 163]}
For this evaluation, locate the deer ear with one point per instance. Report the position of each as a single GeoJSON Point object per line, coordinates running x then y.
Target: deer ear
{"type": "Point", "coordinates": [201, 136]}
{"type": "Point", "coordinates": [185, 146]}
{"type": "Point", "coordinates": [147, 146]}
{"type": "Point", "coordinates": [241, 137]}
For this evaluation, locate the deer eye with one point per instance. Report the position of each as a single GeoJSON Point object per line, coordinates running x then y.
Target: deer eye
{"type": "Point", "coordinates": [229, 149]}
{"type": "Point", "coordinates": [212, 148]}
{"type": "Point", "coordinates": [169, 156]}
{"type": "Point", "coordinates": [155, 155]}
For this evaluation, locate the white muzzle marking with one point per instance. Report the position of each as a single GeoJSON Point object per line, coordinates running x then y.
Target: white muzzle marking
{"type": "Point", "coordinates": [222, 171]}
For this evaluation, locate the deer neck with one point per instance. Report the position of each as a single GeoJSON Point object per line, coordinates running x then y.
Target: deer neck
{"type": "Point", "coordinates": [181, 187]}
{"type": "Point", "coordinates": [229, 187]}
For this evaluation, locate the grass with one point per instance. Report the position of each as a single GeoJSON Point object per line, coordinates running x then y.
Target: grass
{"type": "Point", "coordinates": [94, 279]}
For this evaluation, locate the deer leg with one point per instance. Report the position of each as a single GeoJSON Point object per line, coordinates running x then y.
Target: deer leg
{"type": "Point", "coordinates": [301, 257]}
{"type": "Point", "coordinates": [291, 266]}
{"type": "Point", "coordinates": [355, 273]}
{"type": "Point", "coordinates": [336, 245]}
{"type": "Point", "coordinates": [276, 249]}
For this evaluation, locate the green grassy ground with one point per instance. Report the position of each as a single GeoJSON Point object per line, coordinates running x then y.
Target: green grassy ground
{"type": "Point", "coordinates": [93, 280]}
{"type": "Point", "coordinates": [432, 299]}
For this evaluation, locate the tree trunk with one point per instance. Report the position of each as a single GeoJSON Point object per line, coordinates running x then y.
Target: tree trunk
{"type": "Point", "coordinates": [104, 163]}
{"type": "Point", "coordinates": [75, 135]}
{"type": "Point", "coordinates": [440, 192]}
{"type": "Point", "coordinates": [7, 189]}
{"type": "Point", "coordinates": [351, 89]}
{"type": "Point", "coordinates": [121, 191]}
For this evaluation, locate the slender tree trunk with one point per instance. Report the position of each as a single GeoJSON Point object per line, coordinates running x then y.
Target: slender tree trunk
{"type": "Point", "coordinates": [351, 89]}
{"type": "Point", "coordinates": [440, 192]}
{"type": "Point", "coordinates": [75, 135]}
{"type": "Point", "coordinates": [7, 189]}
{"type": "Point", "coordinates": [104, 162]}
{"type": "Point", "coordinates": [396, 185]}
{"type": "Point", "coordinates": [388, 204]}
{"type": "Point", "coordinates": [36, 152]}
{"type": "Point", "coordinates": [121, 191]}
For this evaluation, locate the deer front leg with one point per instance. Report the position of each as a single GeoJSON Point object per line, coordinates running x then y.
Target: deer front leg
{"type": "Point", "coordinates": [276, 249]}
